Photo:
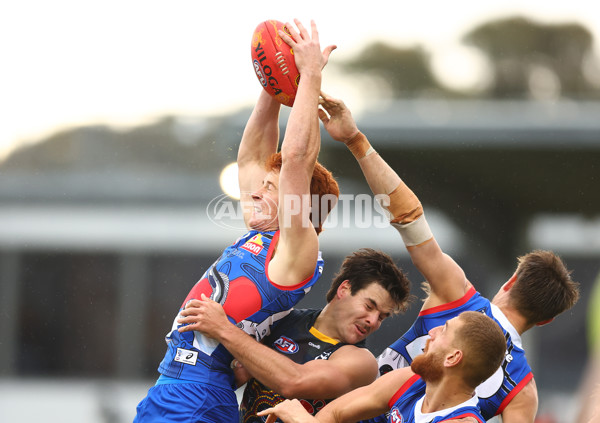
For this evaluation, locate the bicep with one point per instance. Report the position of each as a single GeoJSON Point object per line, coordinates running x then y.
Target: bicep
{"type": "Point", "coordinates": [523, 407]}
{"type": "Point", "coordinates": [348, 368]}
{"type": "Point", "coordinates": [298, 245]}
{"type": "Point", "coordinates": [446, 278]}
{"type": "Point", "coordinates": [250, 177]}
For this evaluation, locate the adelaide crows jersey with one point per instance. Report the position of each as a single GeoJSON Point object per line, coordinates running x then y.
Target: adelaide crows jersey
{"type": "Point", "coordinates": [296, 338]}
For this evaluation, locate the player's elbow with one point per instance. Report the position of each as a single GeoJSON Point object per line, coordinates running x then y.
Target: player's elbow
{"type": "Point", "coordinates": [292, 389]}
{"type": "Point", "coordinates": [299, 148]}
{"type": "Point", "coordinates": [296, 155]}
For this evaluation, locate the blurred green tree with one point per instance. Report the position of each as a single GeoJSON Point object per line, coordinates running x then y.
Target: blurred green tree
{"type": "Point", "coordinates": [521, 51]}
{"type": "Point", "coordinates": [404, 71]}
{"type": "Point", "coordinates": [527, 60]}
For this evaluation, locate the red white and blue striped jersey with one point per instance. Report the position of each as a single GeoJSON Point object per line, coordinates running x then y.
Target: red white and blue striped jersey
{"type": "Point", "coordinates": [406, 405]}
{"type": "Point", "coordinates": [497, 391]}
{"type": "Point", "coordinates": [239, 281]}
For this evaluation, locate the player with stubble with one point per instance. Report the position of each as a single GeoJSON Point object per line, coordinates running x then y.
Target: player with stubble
{"type": "Point", "coordinates": [439, 386]}
{"type": "Point", "coordinates": [539, 290]}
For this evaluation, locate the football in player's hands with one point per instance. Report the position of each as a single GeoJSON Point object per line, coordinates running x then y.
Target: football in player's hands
{"type": "Point", "coordinates": [273, 62]}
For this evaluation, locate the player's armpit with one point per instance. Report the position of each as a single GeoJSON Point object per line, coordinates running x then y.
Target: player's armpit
{"type": "Point", "coordinates": [523, 407]}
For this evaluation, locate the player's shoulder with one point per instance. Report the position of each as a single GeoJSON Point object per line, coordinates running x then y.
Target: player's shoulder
{"type": "Point", "coordinates": [356, 358]}
{"type": "Point", "coordinates": [357, 353]}
{"type": "Point", "coordinates": [528, 394]}
{"type": "Point", "coordinates": [302, 312]}
{"type": "Point", "coordinates": [524, 405]}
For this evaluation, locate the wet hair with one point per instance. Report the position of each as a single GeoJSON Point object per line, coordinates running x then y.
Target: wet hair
{"type": "Point", "coordinates": [483, 345]}
{"type": "Point", "coordinates": [543, 288]}
{"type": "Point", "coordinates": [322, 185]}
{"type": "Point", "coordinates": [367, 266]}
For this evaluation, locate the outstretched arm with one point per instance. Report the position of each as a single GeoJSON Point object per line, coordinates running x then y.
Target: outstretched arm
{"type": "Point", "coordinates": [347, 368]}
{"type": "Point", "coordinates": [445, 277]}
{"type": "Point", "coordinates": [259, 142]}
{"type": "Point", "coordinates": [297, 249]}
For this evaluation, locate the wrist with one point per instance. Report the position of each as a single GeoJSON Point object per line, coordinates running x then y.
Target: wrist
{"type": "Point", "coordinates": [227, 333]}
{"type": "Point", "coordinates": [359, 145]}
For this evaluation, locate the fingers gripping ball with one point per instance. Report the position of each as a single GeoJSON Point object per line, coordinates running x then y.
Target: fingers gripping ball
{"type": "Point", "coordinates": [273, 61]}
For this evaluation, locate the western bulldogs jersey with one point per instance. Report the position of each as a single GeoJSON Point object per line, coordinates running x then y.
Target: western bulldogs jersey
{"type": "Point", "coordinates": [296, 338]}
{"type": "Point", "coordinates": [406, 404]}
{"type": "Point", "coordinates": [238, 280]}
{"type": "Point", "coordinates": [497, 391]}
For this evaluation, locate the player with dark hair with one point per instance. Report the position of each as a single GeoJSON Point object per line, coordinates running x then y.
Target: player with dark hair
{"type": "Point", "coordinates": [314, 355]}
{"type": "Point", "coordinates": [439, 385]}
{"type": "Point", "coordinates": [267, 270]}
{"type": "Point", "coordinates": [540, 289]}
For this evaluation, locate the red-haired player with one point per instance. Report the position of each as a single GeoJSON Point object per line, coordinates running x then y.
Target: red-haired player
{"type": "Point", "coordinates": [268, 270]}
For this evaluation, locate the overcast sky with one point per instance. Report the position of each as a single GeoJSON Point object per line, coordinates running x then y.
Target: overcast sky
{"type": "Point", "coordinates": [73, 62]}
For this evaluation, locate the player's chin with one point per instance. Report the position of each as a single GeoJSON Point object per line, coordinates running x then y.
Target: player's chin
{"type": "Point", "coordinates": [262, 224]}
{"type": "Point", "coordinates": [358, 335]}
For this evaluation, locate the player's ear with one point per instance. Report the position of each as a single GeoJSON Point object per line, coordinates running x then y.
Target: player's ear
{"type": "Point", "coordinates": [344, 289]}
{"type": "Point", "coordinates": [509, 283]}
{"type": "Point", "coordinates": [544, 322]}
{"type": "Point", "coordinates": [453, 358]}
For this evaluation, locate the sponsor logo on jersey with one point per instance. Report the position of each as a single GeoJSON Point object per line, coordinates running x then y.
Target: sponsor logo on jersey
{"type": "Point", "coordinates": [286, 345]}
{"type": "Point", "coordinates": [314, 345]}
{"type": "Point", "coordinates": [186, 356]}
{"type": "Point", "coordinates": [324, 355]}
{"type": "Point", "coordinates": [395, 416]}
{"type": "Point", "coordinates": [254, 244]}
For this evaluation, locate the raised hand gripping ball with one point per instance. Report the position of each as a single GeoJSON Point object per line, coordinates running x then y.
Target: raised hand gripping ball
{"type": "Point", "coordinates": [273, 61]}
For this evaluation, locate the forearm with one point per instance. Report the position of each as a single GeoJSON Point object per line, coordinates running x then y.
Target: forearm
{"type": "Point", "coordinates": [382, 179]}
{"type": "Point", "coordinates": [401, 202]}
{"type": "Point", "coordinates": [269, 367]}
{"type": "Point", "coordinates": [446, 278]}
{"type": "Point", "coordinates": [261, 134]}
{"type": "Point", "coordinates": [354, 406]}
{"type": "Point", "coordinates": [302, 139]}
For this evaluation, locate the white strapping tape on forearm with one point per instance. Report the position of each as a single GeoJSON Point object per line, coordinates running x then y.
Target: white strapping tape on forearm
{"type": "Point", "coordinates": [371, 150]}
{"type": "Point", "coordinates": [415, 232]}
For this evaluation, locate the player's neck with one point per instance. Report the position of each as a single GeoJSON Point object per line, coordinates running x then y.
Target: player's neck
{"type": "Point", "coordinates": [515, 318]}
{"type": "Point", "coordinates": [445, 394]}
{"type": "Point", "coordinates": [324, 322]}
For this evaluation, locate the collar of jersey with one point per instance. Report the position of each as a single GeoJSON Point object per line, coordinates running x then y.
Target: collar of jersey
{"type": "Point", "coordinates": [505, 323]}
{"type": "Point", "coordinates": [317, 334]}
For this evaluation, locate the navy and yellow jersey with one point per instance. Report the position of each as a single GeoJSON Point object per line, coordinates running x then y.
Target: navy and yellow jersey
{"type": "Point", "coordinates": [497, 391]}
{"type": "Point", "coordinates": [296, 338]}
{"type": "Point", "coordinates": [239, 281]}
{"type": "Point", "coordinates": [406, 405]}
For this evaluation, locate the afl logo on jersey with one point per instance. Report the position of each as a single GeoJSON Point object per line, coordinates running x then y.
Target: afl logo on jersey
{"type": "Point", "coordinates": [254, 244]}
{"type": "Point", "coordinates": [286, 345]}
{"type": "Point", "coordinates": [395, 416]}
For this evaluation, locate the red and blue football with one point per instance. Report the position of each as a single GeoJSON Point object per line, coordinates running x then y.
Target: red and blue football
{"type": "Point", "coordinates": [273, 61]}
